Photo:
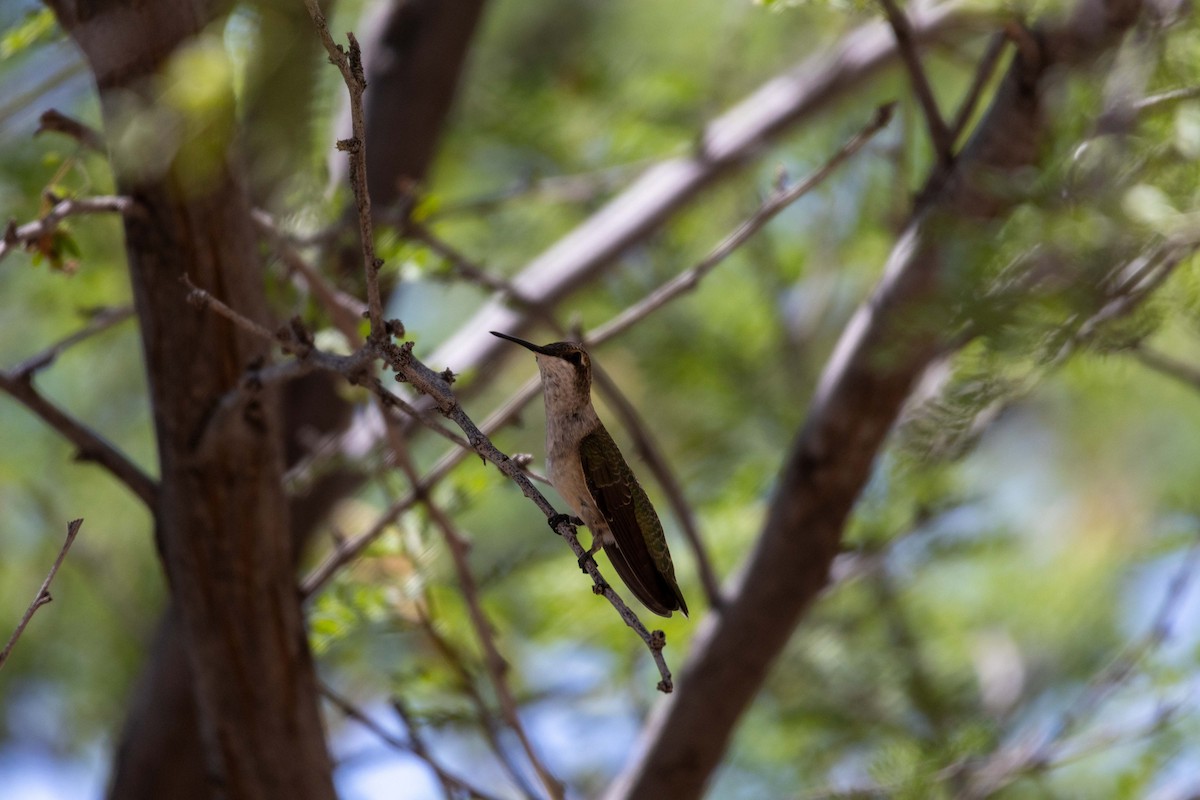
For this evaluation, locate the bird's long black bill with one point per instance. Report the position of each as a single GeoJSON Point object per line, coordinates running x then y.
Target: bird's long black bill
{"type": "Point", "coordinates": [537, 348]}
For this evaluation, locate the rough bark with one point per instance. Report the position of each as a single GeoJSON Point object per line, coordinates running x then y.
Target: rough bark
{"type": "Point", "coordinates": [221, 517]}
{"type": "Point", "coordinates": [160, 751]}
{"type": "Point", "coordinates": [883, 351]}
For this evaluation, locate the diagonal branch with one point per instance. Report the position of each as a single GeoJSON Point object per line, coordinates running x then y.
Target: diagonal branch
{"type": "Point", "coordinates": [672, 289]}
{"type": "Point", "coordinates": [494, 663]}
{"type": "Point", "coordinates": [101, 320]}
{"type": "Point", "coordinates": [939, 134]}
{"type": "Point", "coordinates": [727, 144]}
{"type": "Point", "coordinates": [92, 446]}
{"type": "Point", "coordinates": [43, 594]}
{"type": "Point", "coordinates": [29, 233]}
{"type": "Point", "coordinates": [883, 351]}
{"type": "Point", "coordinates": [415, 744]}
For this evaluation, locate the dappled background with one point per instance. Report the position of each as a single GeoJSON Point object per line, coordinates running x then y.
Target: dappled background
{"type": "Point", "coordinates": [1015, 610]}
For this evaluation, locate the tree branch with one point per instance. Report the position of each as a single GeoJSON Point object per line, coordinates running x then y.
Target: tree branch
{"type": "Point", "coordinates": [883, 351]}
{"type": "Point", "coordinates": [43, 594]}
{"type": "Point", "coordinates": [494, 663]}
{"type": "Point", "coordinates": [939, 134]}
{"type": "Point", "coordinates": [28, 234]}
{"type": "Point", "coordinates": [729, 142]}
{"type": "Point", "coordinates": [349, 63]}
{"type": "Point", "coordinates": [414, 746]}
{"type": "Point", "coordinates": [92, 446]}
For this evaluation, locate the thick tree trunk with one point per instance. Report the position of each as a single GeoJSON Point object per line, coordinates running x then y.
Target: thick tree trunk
{"type": "Point", "coordinates": [885, 348]}
{"type": "Point", "coordinates": [221, 518]}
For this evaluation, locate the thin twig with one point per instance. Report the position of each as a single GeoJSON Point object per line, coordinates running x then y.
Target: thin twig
{"type": "Point", "coordinates": [391, 400]}
{"type": "Point", "coordinates": [777, 202]}
{"type": "Point", "coordinates": [344, 310]}
{"type": "Point", "coordinates": [494, 663]}
{"type": "Point", "coordinates": [91, 445]}
{"type": "Point", "coordinates": [350, 549]}
{"type": "Point", "coordinates": [459, 263]}
{"type": "Point", "coordinates": [421, 749]}
{"type": "Point", "coordinates": [54, 121]}
{"type": "Point", "coordinates": [491, 727]}
{"type": "Point", "coordinates": [353, 367]}
{"type": "Point", "coordinates": [939, 134]}
{"type": "Point", "coordinates": [29, 233]}
{"type": "Point", "coordinates": [983, 73]}
{"type": "Point", "coordinates": [100, 321]}
{"type": "Point", "coordinates": [349, 63]}
{"type": "Point", "coordinates": [1165, 365]}
{"type": "Point", "coordinates": [415, 746]}
{"type": "Point", "coordinates": [43, 595]}
{"type": "Point", "coordinates": [1165, 98]}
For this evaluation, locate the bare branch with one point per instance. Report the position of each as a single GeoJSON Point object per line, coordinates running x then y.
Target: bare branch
{"type": "Point", "coordinates": [983, 73]}
{"type": "Point", "coordinates": [349, 63]}
{"type": "Point", "coordinates": [43, 594]}
{"type": "Point", "coordinates": [92, 446]}
{"type": "Point", "coordinates": [939, 134]}
{"type": "Point", "coordinates": [1155, 101]}
{"type": "Point", "coordinates": [101, 320]}
{"type": "Point", "coordinates": [459, 263]}
{"type": "Point", "coordinates": [344, 310]}
{"type": "Point", "coordinates": [494, 663]}
{"type": "Point", "coordinates": [777, 202]}
{"type": "Point", "coordinates": [1164, 364]}
{"type": "Point", "coordinates": [491, 727]}
{"type": "Point", "coordinates": [28, 234]}
{"type": "Point", "coordinates": [352, 548]}
{"type": "Point", "coordinates": [414, 746]}
{"type": "Point", "coordinates": [54, 121]}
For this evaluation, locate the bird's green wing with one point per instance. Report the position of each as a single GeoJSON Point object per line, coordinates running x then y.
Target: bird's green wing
{"type": "Point", "coordinates": [640, 554]}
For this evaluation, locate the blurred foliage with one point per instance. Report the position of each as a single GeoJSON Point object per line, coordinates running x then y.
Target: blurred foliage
{"type": "Point", "coordinates": [1020, 532]}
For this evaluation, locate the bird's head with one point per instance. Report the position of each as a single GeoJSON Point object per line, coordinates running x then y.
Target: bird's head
{"type": "Point", "coordinates": [566, 369]}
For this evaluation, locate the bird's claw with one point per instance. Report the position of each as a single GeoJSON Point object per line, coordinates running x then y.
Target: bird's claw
{"type": "Point", "coordinates": [583, 559]}
{"type": "Point", "coordinates": [559, 519]}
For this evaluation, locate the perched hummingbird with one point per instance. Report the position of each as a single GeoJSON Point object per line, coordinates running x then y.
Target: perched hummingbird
{"type": "Point", "coordinates": [592, 476]}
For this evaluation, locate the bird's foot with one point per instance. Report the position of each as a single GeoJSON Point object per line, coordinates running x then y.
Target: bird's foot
{"type": "Point", "coordinates": [584, 559]}
{"type": "Point", "coordinates": [559, 519]}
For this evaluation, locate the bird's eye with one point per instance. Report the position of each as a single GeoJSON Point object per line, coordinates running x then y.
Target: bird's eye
{"type": "Point", "coordinates": [575, 358]}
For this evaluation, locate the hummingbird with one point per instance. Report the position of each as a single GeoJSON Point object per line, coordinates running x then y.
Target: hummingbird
{"type": "Point", "coordinates": [592, 476]}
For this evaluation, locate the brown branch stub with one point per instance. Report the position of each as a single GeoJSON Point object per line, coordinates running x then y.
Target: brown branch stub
{"type": "Point", "coordinates": [54, 121]}
{"type": "Point", "coordinates": [43, 594]}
